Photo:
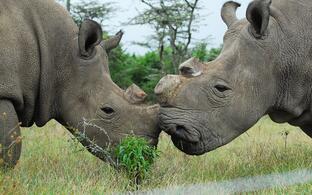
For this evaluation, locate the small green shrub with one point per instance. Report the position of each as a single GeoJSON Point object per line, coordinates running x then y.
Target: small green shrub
{"type": "Point", "coordinates": [135, 156]}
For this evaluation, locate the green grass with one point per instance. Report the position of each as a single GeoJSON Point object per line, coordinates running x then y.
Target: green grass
{"type": "Point", "coordinates": [51, 163]}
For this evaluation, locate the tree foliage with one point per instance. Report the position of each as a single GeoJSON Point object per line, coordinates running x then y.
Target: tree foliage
{"type": "Point", "coordinates": [173, 22]}
{"type": "Point", "coordinates": [201, 52]}
{"type": "Point", "coordinates": [88, 9]}
{"type": "Point", "coordinates": [143, 70]}
{"type": "Point", "coordinates": [91, 10]}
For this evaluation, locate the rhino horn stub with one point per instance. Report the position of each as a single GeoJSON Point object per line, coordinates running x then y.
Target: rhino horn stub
{"type": "Point", "coordinates": [166, 87]}
{"type": "Point", "coordinates": [228, 13]}
{"type": "Point", "coordinates": [112, 42]}
{"type": "Point", "coordinates": [135, 95]}
{"type": "Point", "coordinates": [191, 68]}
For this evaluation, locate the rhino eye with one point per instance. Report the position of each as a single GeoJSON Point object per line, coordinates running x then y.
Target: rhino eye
{"type": "Point", "coordinates": [108, 110]}
{"type": "Point", "coordinates": [221, 88]}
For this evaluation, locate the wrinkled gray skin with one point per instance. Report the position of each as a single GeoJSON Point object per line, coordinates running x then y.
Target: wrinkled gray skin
{"type": "Point", "coordinates": [265, 67]}
{"type": "Point", "coordinates": [52, 70]}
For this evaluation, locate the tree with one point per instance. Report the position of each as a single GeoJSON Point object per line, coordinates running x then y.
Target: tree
{"type": "Point", "coordinates": [91, 10]}
{"type": "Point", "coordinates": [68, 5]}
{"type": "Point", "coordinates": [173, 22]}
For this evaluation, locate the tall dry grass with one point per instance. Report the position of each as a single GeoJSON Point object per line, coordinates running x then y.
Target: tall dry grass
{"type": "Point", "coordinates": [52, 163]}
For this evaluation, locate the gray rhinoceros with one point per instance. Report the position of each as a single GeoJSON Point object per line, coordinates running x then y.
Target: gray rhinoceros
{"type": "Point", "coordinates": [265, 67]}
{"type": "Point", "coordinates": [50, 69]}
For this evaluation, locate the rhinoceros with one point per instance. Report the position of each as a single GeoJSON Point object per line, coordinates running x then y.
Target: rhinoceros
{"type": "Point", "coordinates": [265, 67]}
{"type": "Point", "coordinates": [50, 69]}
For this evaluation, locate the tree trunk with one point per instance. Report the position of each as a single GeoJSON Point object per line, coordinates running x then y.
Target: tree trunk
{"type": "Point", "coordinates": [68, 5]}
{"type": "Point", "coordinates": [161, 48]}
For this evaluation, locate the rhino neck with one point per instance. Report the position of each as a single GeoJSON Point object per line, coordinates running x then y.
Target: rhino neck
{"type": "Point", "coordinates": [54, 40]}
{"type": "Point", "coordinates": [299, 99]}
{"type": "Point", "coordinates": [294, 95]}
{"type": "Point", "coordinates": [293, 64]}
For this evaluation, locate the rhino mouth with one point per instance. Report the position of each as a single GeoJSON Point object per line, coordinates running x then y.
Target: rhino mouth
{"type": "Point", "coordinates": [188, 147]}
{"type": "Point", "coordinates": [188, 141]}
{"type": "Point", "coordinates": [198, 148]}
{"type": "Point", "coordinates": [187, 133]}
{"type": "Point", "coordinates": [177, 124]}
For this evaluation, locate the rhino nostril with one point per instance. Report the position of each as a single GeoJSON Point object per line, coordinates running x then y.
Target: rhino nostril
{"type": "Point", "coordinates": [180, 128]}
{"type": "Point", "coordinates": [180, 132]}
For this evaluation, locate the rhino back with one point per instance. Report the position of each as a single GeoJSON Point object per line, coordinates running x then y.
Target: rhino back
{"type": "Point", "coordinates": [35, 36]}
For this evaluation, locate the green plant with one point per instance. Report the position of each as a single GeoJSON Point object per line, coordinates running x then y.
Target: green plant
{"type": "Point", "coordinates": [135, 156]}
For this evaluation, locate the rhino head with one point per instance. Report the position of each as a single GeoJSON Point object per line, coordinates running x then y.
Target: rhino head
{"type": "Point", "coordinates": [210, 104]}
{"type": "Point", "coordinates": [91, 105]}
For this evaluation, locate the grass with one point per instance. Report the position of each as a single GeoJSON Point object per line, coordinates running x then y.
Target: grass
{"type": "Point", "coordinates": [51, 163]}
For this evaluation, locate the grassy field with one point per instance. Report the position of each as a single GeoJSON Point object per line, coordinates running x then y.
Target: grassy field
{"type": "Point", "coordinates": [52, 163]}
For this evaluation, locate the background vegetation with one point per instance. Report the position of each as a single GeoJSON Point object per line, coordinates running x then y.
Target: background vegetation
{"type": "Point", "coordinates": [145, 70]}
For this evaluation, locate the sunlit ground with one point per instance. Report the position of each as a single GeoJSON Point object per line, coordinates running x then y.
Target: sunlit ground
{"type": "Point", "coordinates": [52, 163]}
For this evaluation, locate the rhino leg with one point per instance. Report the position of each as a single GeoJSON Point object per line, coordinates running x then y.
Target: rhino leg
{"type": "Point", "coordinates": [10, 136]}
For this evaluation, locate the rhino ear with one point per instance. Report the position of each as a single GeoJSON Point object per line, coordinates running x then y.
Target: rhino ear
{"type": "Point", "coordinates": [90, 35]}
{"type": "Point", "coordinates": [258, 14]}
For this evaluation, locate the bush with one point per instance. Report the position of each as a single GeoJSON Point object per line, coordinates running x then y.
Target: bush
{"type": "Point", "coordinates": [135, 156]}
{"type": "Point", "coordinates": [201, 52]}
{"type": "Point", "coordinates": [144, 70]}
